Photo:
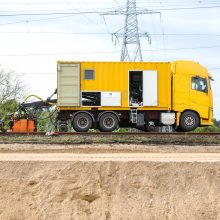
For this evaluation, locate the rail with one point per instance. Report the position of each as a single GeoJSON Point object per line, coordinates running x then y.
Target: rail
{"type": "Point", "coordinates": [108, 134]}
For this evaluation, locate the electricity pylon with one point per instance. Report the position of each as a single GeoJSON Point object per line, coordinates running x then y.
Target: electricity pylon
{"type": "Point", "coordinates": [131, 47]}
{"type": "Point", "coordinates": [131, 39]}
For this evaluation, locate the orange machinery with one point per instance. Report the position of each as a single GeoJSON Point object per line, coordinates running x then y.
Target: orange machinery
{"type": "Point", "coordinates": [23, 125]}
{"type": "Point", "coordinates": [24, 119]}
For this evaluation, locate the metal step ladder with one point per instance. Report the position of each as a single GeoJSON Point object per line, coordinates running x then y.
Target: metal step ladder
{"type": "Point", "coordinates": [133, 116]}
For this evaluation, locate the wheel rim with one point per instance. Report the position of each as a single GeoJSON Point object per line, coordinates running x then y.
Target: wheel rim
{"type": "Point", "coordinates": [63, 128]}
{"type": "Point", "coordinates": [109, 122]}
{"type": "Point", "coordinates": [82, 122]}
{"type": "Point", "coordinates": [189, 121]}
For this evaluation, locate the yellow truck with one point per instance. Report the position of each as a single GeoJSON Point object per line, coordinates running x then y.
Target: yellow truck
{"type": "Point", "coordinates": [151, 96]}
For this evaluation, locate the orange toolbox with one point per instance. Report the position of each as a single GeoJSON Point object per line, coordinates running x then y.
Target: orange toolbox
{"type": "Point", "coordinates": [23, 125]}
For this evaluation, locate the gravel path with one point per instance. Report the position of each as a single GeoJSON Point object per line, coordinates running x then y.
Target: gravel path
{"type": "Point", "coordinates": [118, 157]}
{"type": "Point", "coordinates": [105, 148]}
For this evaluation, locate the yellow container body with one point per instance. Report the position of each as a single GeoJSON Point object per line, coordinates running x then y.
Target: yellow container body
{"type": "Point", "coordinates": [114, 77]}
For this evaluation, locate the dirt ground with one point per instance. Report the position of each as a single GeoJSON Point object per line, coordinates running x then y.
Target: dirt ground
{"type": "Point", "coordinates": [105, 148]}
{"type": "Point", "coordinates": [109, 189]}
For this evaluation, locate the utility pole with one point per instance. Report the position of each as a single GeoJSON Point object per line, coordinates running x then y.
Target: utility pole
{"type": "Point", "coordinates": [131, 47]}
{"type": "Point", "coordinates": [131, 39]}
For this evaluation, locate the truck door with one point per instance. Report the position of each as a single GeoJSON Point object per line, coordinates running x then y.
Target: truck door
{"type": "Point", "coordinates": [199, 95]}
{"type": "Point", "coordinates": [150, 88]}
{"type": "Point", "coordinates": [68, 93]}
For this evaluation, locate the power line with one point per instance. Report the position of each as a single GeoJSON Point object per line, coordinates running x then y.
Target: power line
{"type": "Point", "coordinates": [190, 34]}
{"type": "Point", "coordinates": [102, 12]}
{"type": "Point", "coordinates": [51, 13]}
{"type": "Point", "coordinates": [116, 12]}
{"type": "Point", "coordinates": [54, 73]}
{"type": "Point", "coordinates": [36, 20]}
{"type": "Point", "coordinates": [105, 33]}
{"type": "Point", "coordinates": [105, 52]}
{"type": "Point", "coordinates": [119, 4]}
{"type": "Point", "coordinates": [189, 8]}
{"type": "Point", "coordinates": [35, 73]}
{"type": "Point", "coordinates": [85, 16]}
{"type": "Point", "coordinates": [190, 48]}
{"type": "Point", "coordinates": [178, 4]}
{"type": "Point", "coordinates": [98, 9]}
{"type": "Point", "coordinates": [109, 2]}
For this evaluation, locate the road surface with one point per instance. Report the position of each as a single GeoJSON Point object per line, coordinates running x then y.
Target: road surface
{"type": "Point", "coordinates": [157, 157]}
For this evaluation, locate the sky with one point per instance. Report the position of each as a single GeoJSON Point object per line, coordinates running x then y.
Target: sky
{"type": "Point", "coordinates": [35, 34]}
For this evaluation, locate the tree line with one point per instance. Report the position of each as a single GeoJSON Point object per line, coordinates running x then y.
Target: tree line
{"type": "Point", "coordinates": [12, 90]}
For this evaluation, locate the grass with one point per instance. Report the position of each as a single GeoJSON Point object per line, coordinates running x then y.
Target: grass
{"type": "Point", "coordinates": [121, 139]}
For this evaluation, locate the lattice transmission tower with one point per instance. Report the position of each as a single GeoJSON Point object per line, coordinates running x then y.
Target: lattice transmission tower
{"type": "Point", "coordinates": [131, 39]}
{"type": "Point", "coordinates": [131, 47]}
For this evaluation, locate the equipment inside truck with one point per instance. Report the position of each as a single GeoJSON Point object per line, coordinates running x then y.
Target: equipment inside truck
{"type": "Point", "coordinates": [91, 98]}
{"type": "Point", "coordinates": [136, 88]}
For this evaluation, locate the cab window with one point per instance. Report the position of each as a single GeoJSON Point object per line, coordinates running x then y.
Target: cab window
{"type": "Point", "coordinates": [199, 84]}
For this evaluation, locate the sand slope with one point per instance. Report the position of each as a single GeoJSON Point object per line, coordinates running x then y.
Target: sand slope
{"type": "Point", "coordinates": [109, 190]}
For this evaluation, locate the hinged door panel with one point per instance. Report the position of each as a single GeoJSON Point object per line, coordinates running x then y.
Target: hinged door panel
{"type": "Point", "coordinates": [150, 88]}
{"type": "Point", "coordinates": [68, 84]}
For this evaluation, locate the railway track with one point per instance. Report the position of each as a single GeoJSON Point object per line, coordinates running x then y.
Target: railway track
{"type": "Point", "coordinates": [107, 134]}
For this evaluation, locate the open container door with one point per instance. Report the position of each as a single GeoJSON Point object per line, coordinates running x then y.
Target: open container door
{"type": "Point", "coordinates": [150, 88]}
{"type": "Point", "coordinates": [68, 93]}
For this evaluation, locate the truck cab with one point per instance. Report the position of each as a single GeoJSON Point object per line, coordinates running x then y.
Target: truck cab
{"type": "Point", "coordinates": [192, 95]}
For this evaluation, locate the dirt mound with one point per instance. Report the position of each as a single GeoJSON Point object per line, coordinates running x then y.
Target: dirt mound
{"type": "Point", "coordinates": [109, 190]}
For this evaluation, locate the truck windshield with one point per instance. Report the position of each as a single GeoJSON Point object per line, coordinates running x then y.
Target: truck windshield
{"type": "Point", "coordinates": [210, 82]}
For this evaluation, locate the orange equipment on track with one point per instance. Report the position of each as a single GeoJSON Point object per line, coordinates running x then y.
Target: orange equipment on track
{"type": "Point", "coordinates": [23, 125]}
{"type": "Point", "coordinates": [25, 118]}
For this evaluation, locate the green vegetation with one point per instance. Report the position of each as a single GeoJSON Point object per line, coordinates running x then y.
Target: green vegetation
{"type": "Point", "coordinates": [12, 89]}
{"type": "Point", "coordinates": [45, 120]}
{"type": "Point", "coordinates": [194, 140]}
{"type": "Point", "coordinates": [7, 108]}
{"type": "Point", "coordinates": [214, 128]}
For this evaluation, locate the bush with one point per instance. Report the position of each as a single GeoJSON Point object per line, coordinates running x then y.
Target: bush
{"type": "Point", "coordinates": [212, 128]}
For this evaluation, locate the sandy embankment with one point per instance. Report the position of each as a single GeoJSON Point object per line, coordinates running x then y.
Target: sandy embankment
{"type": "Point", "coordinates": [109, 190]}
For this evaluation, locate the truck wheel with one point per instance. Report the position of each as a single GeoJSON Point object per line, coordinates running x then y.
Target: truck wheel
{"type": "Point", "coordinates": [62, 126]}
{"type": "Point", "coordinates": [189, 121]}
{"type": "Point", "coordinates": [82, 122]}
{"type": "Point", "coordinates": [108, 122]}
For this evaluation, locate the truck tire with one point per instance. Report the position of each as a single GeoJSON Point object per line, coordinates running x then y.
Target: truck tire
{"type": "Point", "coordinates": [108, 122]}
{"type": "Point", "coordinates": [82, 122]}
{"type": "Point", "coordinates": [189, 121]}
{"type": "Point", "coordinates": [62, 126]}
